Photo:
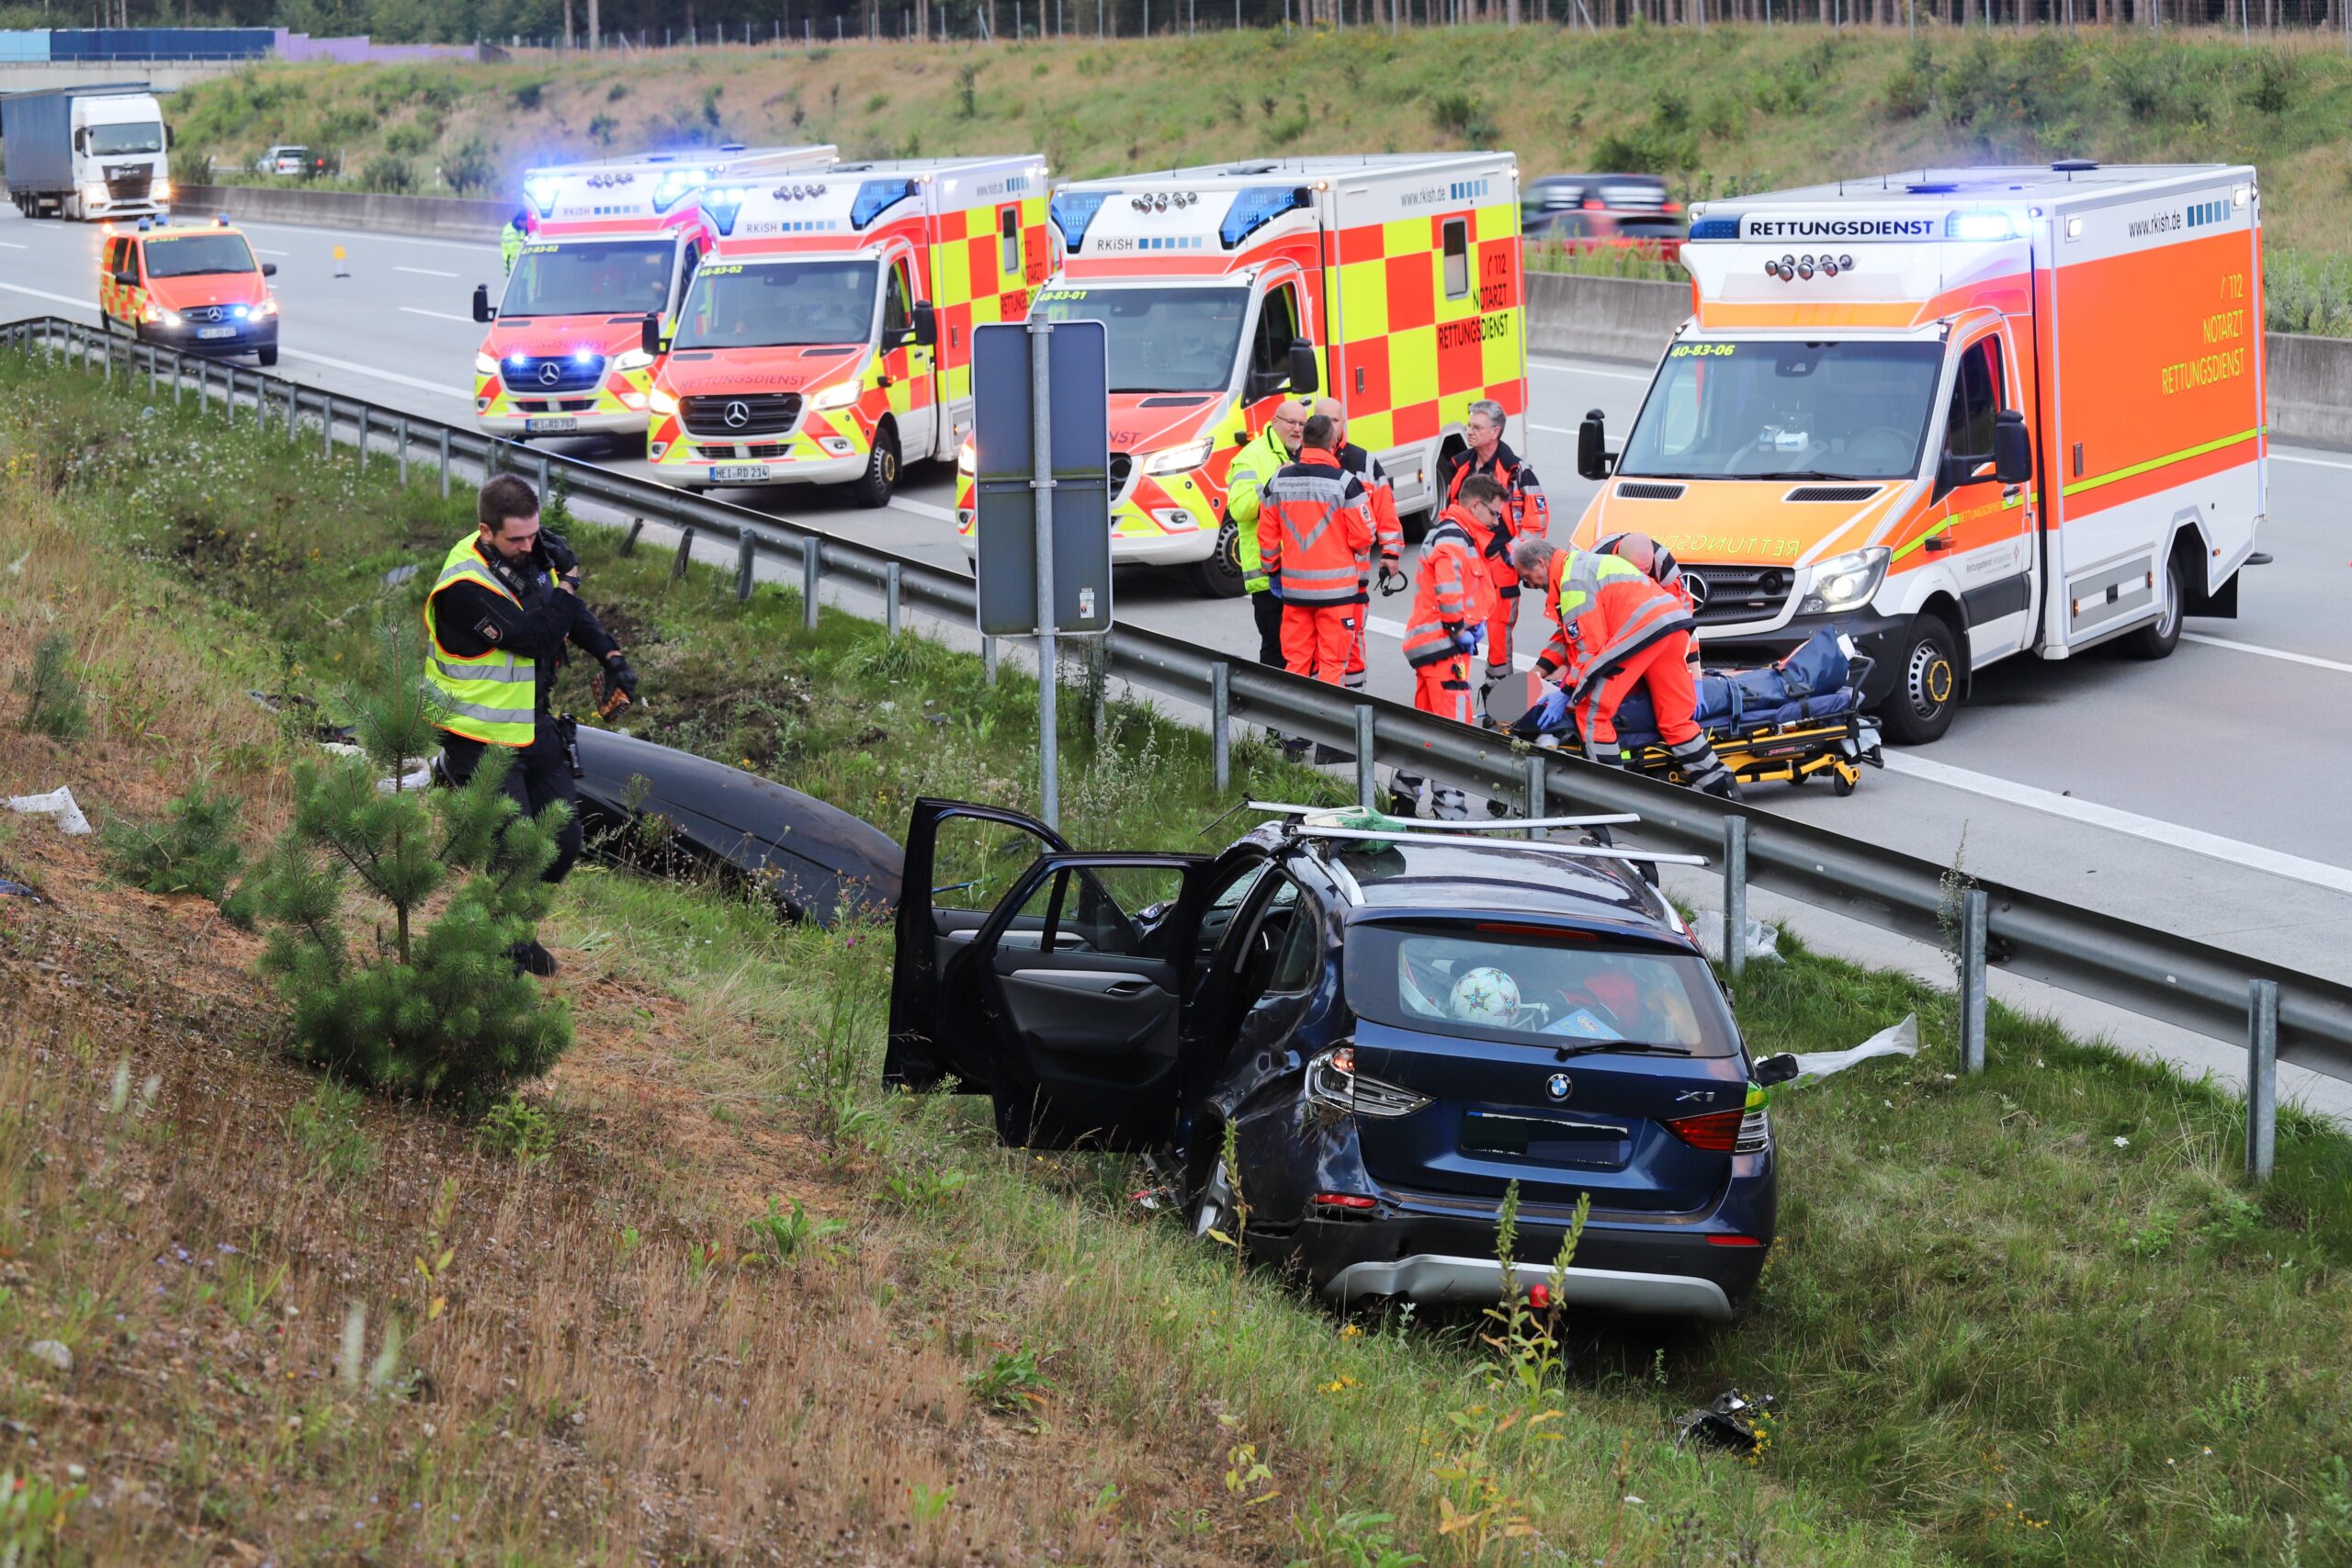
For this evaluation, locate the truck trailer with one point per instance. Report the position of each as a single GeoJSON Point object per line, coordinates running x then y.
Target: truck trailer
{"type": "Point", "coordinates": [87, 152]}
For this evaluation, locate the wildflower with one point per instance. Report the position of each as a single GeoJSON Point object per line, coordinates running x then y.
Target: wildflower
{"type": "Point", "coordinates": [2123, 1143]}
{"type": "Point", "coordinates": [1350, 1331]}
{"type": "Point", "coordinates": [1538, 1296]}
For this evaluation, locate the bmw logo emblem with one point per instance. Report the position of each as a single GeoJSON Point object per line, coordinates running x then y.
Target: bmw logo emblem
{"type": "Point", "coordinates": [1557, 1086]}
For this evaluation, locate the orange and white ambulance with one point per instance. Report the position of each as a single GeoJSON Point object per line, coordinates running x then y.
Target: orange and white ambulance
{"type": "Point", "coordinates": [1392, 282]}
{"type": "Point", "coordinates": [610, 244]}
{"type": "Point", "coordinates": [827, 337]}
{"type": "Point", "coordinates": [194, 286]}
{"type": "Point", "coordinates": [1959, 415]}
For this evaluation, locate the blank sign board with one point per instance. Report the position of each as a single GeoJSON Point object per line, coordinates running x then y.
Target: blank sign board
{"type": "Point", "coordinates": [1004, 449]}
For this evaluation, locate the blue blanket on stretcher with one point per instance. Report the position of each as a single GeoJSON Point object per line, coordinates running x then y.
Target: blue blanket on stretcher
{"type": "Point", "coordinates": [1815, 682]}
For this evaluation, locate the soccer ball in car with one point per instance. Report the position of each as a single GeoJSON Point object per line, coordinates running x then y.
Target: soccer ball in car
{"type": "Point", "coordinates": [1485, 995]}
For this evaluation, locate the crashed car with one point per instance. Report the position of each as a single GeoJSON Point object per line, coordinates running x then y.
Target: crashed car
{"type": "Point", "coordinates": [1397, 1023]}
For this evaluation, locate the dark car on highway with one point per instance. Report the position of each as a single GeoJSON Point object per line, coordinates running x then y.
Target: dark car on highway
{"type": "Point", "coordinates": [1397, 1025]}
{"type": "Point", "coordinates": [1590, 212]}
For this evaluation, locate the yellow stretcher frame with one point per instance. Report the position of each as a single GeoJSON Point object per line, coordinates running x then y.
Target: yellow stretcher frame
{"type": "Point", "coordinates": [1791, 753]}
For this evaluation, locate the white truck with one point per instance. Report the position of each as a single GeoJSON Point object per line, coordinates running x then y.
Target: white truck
{"type": "Point", "coordinates": [87, 152]}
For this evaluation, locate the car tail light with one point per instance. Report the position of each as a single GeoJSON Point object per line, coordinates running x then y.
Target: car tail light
{"type": "Point", "coordinates": [1733, 1241]}
{"type": "Point", "coordinates": [1353, 1200]}
{"type": "Point", "coordinates": [1747, 1132]}
{"type": "Point", "coordinates": [1333, 1083]}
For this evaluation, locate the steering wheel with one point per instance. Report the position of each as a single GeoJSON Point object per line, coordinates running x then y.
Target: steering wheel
{"type": "Point", "coordinates": [1894, 444]}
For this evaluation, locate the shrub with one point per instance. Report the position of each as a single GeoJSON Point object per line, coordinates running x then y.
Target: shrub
{"type": "Point", "coordinates": [526, 95]}
{"type": "Point", "coordinates": [1911, 91]}
{"type": "Point", "coordinates": [2272, 91]}
{"type": "Point", "coordinates": [192, 851]}
{"type": "Point", "coordinates": [411, 139]}
{"type": "Point", "coordinates": [386, 173]}
{"type": "Point", "coordinates": [967, 92]}
{"type": "Point", "coordinates": [470, 167]}
{"type": "Point", "coordinates": [601, 129]}
{"type": "Point", "coordinates": [1458, 112]}
{"type": "Point", "coordinates": [52, 691]}
{"type": "Point", "coordinates": [437, 1009]}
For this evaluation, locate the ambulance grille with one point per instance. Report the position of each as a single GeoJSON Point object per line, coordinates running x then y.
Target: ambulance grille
{"type": "Point", "coordinates": [744, 413]}
{"type": "Point", "coordinates": [1730, 594]}
{"type": "Point", "coordinates": [553, 374]}
{"type": "Point", "coordinates": [1832, 492]}
{"type": "Point", "coordinates": [1650, 493]}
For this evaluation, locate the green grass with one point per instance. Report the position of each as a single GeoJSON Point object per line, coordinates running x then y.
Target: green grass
{"type": "Point", "coordinates": [1730, 110]}
{"type": "Point", "coordinates": [2028, 1318]}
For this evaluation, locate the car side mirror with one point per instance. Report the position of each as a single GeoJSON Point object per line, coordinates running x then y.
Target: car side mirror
{"type": "Point", "coordinates": [2012, 448]}
{"type": "Point", "coordinates": [1592, 450]}
{"type": "Point", "coordinates": [483, 313]}
{"type": "Point", "coordinates": [128, 279]}
{"type": "Point", "coordinates": [649, 335]}
{"type": "Point", "coordinates": [167, 139]}
{"type": "Point", "coordinates": [1304, 378]}
{"type": "Point", "coordinates": [269, 269]}
{"type": "Point", "coordinates": [1776, 1070]}
{"type": "Point", "coordinates": [82, 139]}
{"type": "Point", "coordinates": [1260, 385]}
{"type": "Point", "coordinates": [926, 327]}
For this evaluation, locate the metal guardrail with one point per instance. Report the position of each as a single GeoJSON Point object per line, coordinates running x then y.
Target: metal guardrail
{"type": "Point", "coordinates": [2157, 973]}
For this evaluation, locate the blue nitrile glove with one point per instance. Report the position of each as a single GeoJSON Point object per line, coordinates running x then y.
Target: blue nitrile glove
{"type": "Point", "coordinates": [1274, 588]}
{"type": "Point", "coordinates": [1552, 713]}
{"type": "Point", "coordinates": [1466, 640]}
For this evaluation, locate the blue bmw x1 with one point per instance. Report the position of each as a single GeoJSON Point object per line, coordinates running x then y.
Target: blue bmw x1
{"type": "Point", "coordinates": [1396, 1023]}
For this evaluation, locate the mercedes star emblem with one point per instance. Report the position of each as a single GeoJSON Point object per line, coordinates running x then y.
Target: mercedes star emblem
{"type": "Point", "coordinates": [550, 373]}
{"type": "Point", "coordinates": [738, 414]}
{"type": "Point", "coordinates": [1698, 587]}
{"type": "Point", "coordinates": [1557, 1086]}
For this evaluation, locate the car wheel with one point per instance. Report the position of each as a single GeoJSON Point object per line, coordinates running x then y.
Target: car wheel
{"type": "Point", "coordinates": [1926, 684]}
{"type": "Point", "coordinates": [2157, 640]}
{"type": "Point", "coordinates": [880, 481]}
{"type": "Point", "coordinates": [1219, 577]}
{"type": "Point", "coordinates": [268, 357]}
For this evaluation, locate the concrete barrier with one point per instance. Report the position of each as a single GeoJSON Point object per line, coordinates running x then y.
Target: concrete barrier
{"type": "Point", "coordinates": [434, 217]}
{"type": "Point", "coordinates": [1630, 318]}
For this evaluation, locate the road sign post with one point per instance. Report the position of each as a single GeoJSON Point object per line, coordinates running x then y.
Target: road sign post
{"type": "Point", "coordinates": [1041, 445]}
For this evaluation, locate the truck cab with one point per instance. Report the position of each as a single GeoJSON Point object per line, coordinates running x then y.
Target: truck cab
{"type": "Point", "coordinates": [827, 337]}
{"type": "Point", "coordinates": [195, 287]}
{"type": "Point", "coordinates": [93, 152]}
{"type": "Point", "coordinates": [610, 243]}
{"type": "Point", "coordinates": [1960, 416]}
{"type": "Point", "coordinates": [1393, 282]}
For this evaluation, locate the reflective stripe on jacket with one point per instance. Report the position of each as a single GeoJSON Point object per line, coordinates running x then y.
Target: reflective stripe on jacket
{"type": "Point", "coordinates": [1314, 520]}
{"type": "Point", "coordinates": [1525, 510]}
{"type": "Point", "coordinates": [492, 697]}
{"type": "Point", "coordinates": [1244, 482]}
{"type": "Point", "coordinates": [1387, 532]}
{"type": "Point", "coordinates": [1607, 609]}
{"type": "Point", "coordinates": [1451, 590]}
{"type": "Point", "coordinates": [510, 244]}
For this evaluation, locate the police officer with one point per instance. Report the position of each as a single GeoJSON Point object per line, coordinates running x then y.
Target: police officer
{"type": "Point", "coordinates": [510, 238]}
{"type": "Point", "coordinates": [501, 612]}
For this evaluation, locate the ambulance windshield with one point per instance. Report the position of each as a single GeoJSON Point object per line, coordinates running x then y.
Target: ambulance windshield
{"type": "Point", "coordinates": [1738, 410]}
{"type": "Point", "coordinates": [197, 256]}
{"type": "Point", "coordinates": [1160, 340]}
{"type": "Point", "coordinates": [780, 304]}
{"type": "Point", "coordinates": [591, 278]}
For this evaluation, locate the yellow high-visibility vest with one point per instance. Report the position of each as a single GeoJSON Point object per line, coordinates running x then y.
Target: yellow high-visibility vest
{"type": "Point", "coordinates": [492, 696]}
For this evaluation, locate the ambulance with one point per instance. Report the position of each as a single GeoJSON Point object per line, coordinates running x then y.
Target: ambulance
{"type": "Point", "coordinates": [610, 244]}
{"type": "Point", "coordinates": [1392, 282]}
{"type": "Point", "coordinates": [827, 337]}
{"type": "Point", "coordinates": [1962, 415]}
{"type": "Point", "coordinates": [194, 286]}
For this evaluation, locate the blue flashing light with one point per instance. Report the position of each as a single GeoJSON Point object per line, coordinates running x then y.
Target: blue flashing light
{"type": "Point", "coordinates": [541, 191]}
{"type": "Point", "coordinates": [580, 356]}
{"type": "Point", "coordinates": [517, 360]}
{"type": "Point", "coordinates": [723, 205]}
{"type": "Point", "coordinates": [1072, 210]}
{"type": "Point", "coordinates": [1257, 205]}
{"type": "Point", "coordinates": [1715, 228]}
{"type": "Point", "coordinates": [220, 221]}
{"type": "Point", "coordinates": [1980, 225]}
{"type": "Point", "coordinates": [877, 197]}
{"type": "Point", "coordinates": [676, 185]}
{"type": "Point", "coordinates": [240, 312]}
{"type": "Point", "coordinates": [145, 224]}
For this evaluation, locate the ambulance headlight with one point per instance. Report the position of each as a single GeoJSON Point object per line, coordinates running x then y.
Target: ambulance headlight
{"type": "Point", "coordinates": [172, 320]}
{"type": "Point", "coordinates": [484, 365]}
{"type": "Point", "coordinates": [632, 359]}
{"type": "Point", "coordinates": [664, 401]}
{"type": "Point", "coordinates": [1844, 583]}
{"type": "Point", "coordinates": [966, 463]}
{"type": "Point", "coordinates": [835, 396]}
{"type": "Point", "coordinates": [1180, 459]}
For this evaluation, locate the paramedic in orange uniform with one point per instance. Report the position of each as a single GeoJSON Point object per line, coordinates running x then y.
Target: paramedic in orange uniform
{"type": "Point", "coordinates": [1389, 533]}
{"type": "Point", "coordinates": [1452, 595]}
{"type": "Point", "coordinates": [1525, 515]}
{"type": "Point", "coordinates": [1314, 520]}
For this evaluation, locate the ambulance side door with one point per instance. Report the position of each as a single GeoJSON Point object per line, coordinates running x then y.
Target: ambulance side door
{"type": "Point", "coordinates": [907, 364]}
{"type": "Point", "coordinates": [1985, 536]}
{"type": "Point", "coordinates": [1265, 373]}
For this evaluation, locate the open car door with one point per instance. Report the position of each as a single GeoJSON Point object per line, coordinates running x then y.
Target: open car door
{"type": "Point", "coordinates": [961, 861]}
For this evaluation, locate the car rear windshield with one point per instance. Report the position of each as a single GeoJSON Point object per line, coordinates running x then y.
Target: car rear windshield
{"type": "Point", "coordinates": [591, 277]}
{"type": "Point", "coordinates": [780, 304]}
{"type": "Point", "coordinates": [197, 254]}
{"type": "Point", "coordinates": [1494, 980]}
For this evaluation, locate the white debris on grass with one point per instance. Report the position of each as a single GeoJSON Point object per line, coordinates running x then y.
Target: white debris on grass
{"type": "Point", "coordinates": [57, 803]}
{"type": "Point", "coordinates": [1901, 1039]}
{"type": "Point", "coordinates": [1763, 941]}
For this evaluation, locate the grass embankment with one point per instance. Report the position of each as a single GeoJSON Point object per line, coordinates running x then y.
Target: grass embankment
{"type": "Point", "coordinates": [1728, 110]}
{"type": "Point", "coordinates": [2031, 1318]}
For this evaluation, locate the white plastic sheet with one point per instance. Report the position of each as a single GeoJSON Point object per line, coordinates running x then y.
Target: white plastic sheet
{"type": "Point", "coordinates": [1900, 1040]}
{"type": "Point", "coordinates": [1762, 940]}
{"type": "Point", "coordinates": [57, 803]}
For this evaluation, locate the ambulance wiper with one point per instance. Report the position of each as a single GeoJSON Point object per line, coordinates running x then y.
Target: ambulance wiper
{"type": "Point", "coordinates": [1801, 474]}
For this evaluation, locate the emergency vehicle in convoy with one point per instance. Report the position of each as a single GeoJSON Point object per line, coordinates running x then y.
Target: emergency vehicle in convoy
{"type": "Point", "coordinates": [196, 287]}
{"type": "Point", "coordinates": [610, 243]}
{"type": "Point", "coordinates": [1959, 415]}
{"type": "Point", "coordinates": [828, 338]}
{"type": "Point", "coordinates": [1391, 282]}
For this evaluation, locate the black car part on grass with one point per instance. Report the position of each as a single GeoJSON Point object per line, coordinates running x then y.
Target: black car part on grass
{"type": "Point", "coordinates": [669, 811]}
{"type": "Point", "coordinates": [1731, 1421]}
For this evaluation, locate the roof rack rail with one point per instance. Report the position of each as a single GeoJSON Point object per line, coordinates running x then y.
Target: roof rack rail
{"type": "Point", "coordinates": [1587, 852]}
{"type": "Point", "coordinates": [1411, 825]}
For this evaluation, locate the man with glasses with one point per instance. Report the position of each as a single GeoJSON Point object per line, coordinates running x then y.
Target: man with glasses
{"type": "Point", "coordinates": [1275, 448]}
{"type": "Point", "coordinates": [1525, 515]}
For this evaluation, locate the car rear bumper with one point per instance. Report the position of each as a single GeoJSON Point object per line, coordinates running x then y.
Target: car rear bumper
{"type": "Point", "coordinates": [1433, 1278]}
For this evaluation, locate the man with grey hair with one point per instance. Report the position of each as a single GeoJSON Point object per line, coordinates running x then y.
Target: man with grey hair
{"type": "Point", "coordinates": [1525, 514]}
{"type": "Point", "coordinates": [1616, 628]}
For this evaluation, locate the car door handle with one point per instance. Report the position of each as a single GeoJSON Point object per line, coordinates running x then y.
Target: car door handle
{"type": "Point", "coordinates": [1128, 989]}
{"type": "Point", "coordinates": [1095, 982]}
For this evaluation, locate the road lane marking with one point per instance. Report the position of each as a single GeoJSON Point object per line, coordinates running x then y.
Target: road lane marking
{"type": "Point", "coordinates": [2235, 852]}
{"type": "Point", "coordinates": [350, 236]}
{"type": "Point", "coordinates": [14, 246]}
{"type": "Point", "coordinates": [1552, 429]}
{"type": "Point", "coordinates": [2278, 457]}
{"type": "Point", "coordinates": [418, 382]}
{"type": "Point", "coordinates": [438, 315]}
{"type": "Point", "coordinates": [266, 251]}
{"type": "Point", "coordinates": [2314, 662]}
{"type": "Point", "coordinates": [82, 305]}
{"type": "Point", "coordinates": [424, 272]}
{"type": "Point", "coordinates": [1588, 370]}
{"type": "Point", "coordinates": [923, 509]}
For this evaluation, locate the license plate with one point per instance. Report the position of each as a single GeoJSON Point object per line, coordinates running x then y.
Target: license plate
{"type": "Point", "coordinates": [738, 473]}
{"type": "Point", "coordinates": [216, 332]}
{"type": "Point", "coordinates": [548, 426]}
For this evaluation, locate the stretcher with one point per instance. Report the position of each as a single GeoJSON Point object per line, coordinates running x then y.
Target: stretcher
{"type": "Point", "coordinates": [1787, 723]}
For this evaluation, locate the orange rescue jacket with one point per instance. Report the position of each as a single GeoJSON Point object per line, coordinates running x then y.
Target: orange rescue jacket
{"type": "Point", "coordinates": [1314, 520]}
{"type": "Point", "coordinates": [1604, 609]}
{"type": "Point", "coordinates": [1451, 590]}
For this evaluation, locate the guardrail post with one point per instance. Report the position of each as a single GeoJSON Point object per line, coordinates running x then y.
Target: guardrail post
{"type": "Point", "coordinates": [1367, 787]}
{"type": "Point", "coordinates": [1734, 896]}
{"type": "Point", "coordinates": [179, 379]}
{"type": "Point", "coordinates": [400, 433]}
{"type": "Point", "coordinates": [543, 479]}
{"type": "Point", "coordinates": [1975, 916]}
{"type": "Point", "coordinates": [628, 539]}
{"type": "Point", "coordinates": [444, 445]}
{"type": "Point", "coordinates": [366, 418]}
{"type": "Point", "coordinates": [890, 598]}
{"type": "Point", "coordinates": [1538, 791]}
{"type": "Point", "coordinates": [154, 375]}
{"type": "Point", "coordinates": [326, 424]}
{"type": "Point", "coordinates": [1220, 724]}
{"type": "Point", "coordinates": [106, 363]}
{"type": "Point", "coordinates": [293, 413]}
{"type": "Point", "coordinates": [686, 552]}
{"type": "Point", "coordinates": [812, 569]}
{"type": "Point", "coordinates": [2261, 1078]}
{"type": "Point", "coordinates": [987, 659]}
{"type": "Point", "coordinates": [745, 549]}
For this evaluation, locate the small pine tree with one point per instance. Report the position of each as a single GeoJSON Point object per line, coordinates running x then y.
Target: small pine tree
{"type": "Point", "coordinates": [436, 1008]}
{"type": "Point", "coordinates": [52, 694]}
{"type": "Point", "coordinates": [193, 851]}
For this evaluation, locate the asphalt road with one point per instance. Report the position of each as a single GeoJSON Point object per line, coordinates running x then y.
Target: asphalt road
{"type": "Point", "coordinates": [2200, 794]}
